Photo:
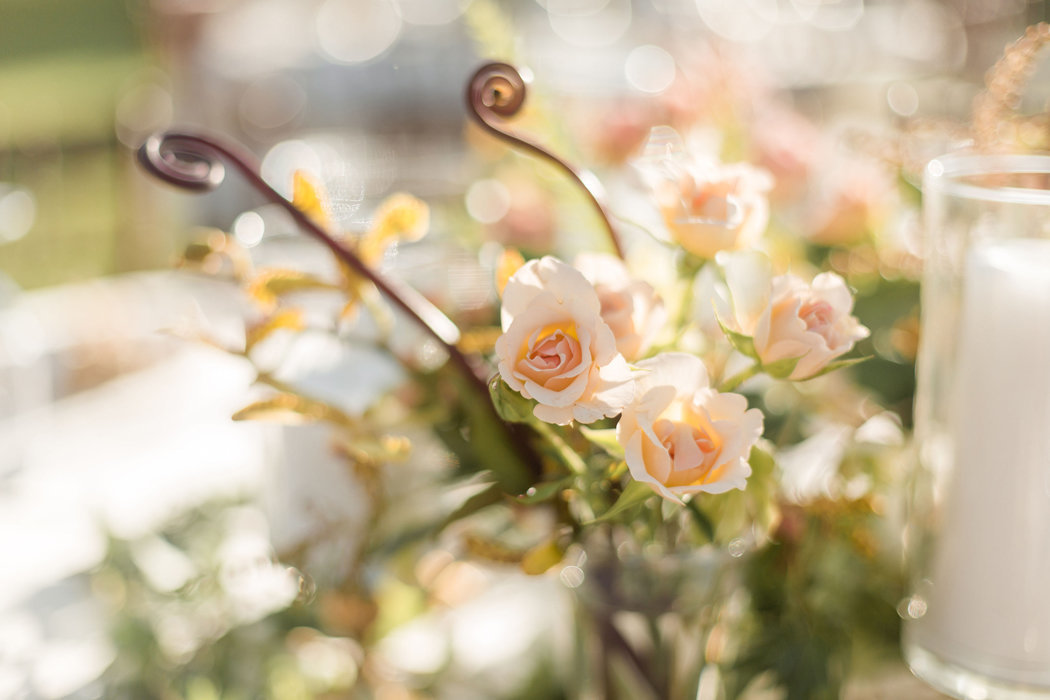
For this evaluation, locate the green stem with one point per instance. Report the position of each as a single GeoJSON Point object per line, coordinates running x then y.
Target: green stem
{"type": "Point", "coordinates": [740, 377]}
{"type": "Point", "coordinates": [687, 273]}
{"type": "Point", "coordinates": [670, 245]}
{"type": "Point", "coordinates": [588, 500]}
{"type": "Point", "coordinates": [569, 457]}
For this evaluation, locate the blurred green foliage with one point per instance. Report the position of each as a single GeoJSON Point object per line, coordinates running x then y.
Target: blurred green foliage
{"type": "Point", "coordinates": [64, 65]}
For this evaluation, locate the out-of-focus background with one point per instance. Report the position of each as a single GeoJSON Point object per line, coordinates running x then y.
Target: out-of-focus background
{"type": "Point", "coordinates": [82, 83]}
{"type": "Point", "coordinates": [111, 429]}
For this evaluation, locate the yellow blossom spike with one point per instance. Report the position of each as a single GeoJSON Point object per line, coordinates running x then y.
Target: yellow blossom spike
{"type": "Point", "coordinates": [284, 408]}
{"type": "Point", "coordinates": [349, 312]}
{"type": "Point", "coordinates": [308, 196]}
{"type": "Point", "coordinates": [292, 410]}
{"type": "Point", "coordinates": [272, 283]}
{"type": "Point", "coordinates": [400, 217]}
{"type": "Point", "coordinates": [287, 319]}
{"type": "Point", "coordinates": [510, 261]}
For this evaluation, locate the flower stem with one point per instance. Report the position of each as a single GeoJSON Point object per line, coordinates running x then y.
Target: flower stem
{"type": "Point", "coordinates": [569, 457]}
{"type": "Point", "coordinates": [614, 641]}
{"type": "Point", "coordinates": [740, 377]}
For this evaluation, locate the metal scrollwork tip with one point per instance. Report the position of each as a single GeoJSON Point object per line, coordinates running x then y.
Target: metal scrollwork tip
{"type": "Point", "coordinates": [184, 160]}
{"type": "Point", "coordinates": [497, 92]}
{"type": "Point", "coordinates": [496, 88]}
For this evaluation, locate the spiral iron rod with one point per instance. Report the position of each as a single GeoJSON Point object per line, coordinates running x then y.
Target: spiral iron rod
{"type": "Point", "coordinates": [495, 93]}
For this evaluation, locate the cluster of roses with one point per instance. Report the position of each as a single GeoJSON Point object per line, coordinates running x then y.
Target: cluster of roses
{"type": "Point", "coordinates": [574, 337]}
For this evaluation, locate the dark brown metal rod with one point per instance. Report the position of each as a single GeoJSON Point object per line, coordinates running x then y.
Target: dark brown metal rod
{"type": "Point", "coordinates": [497, 92]}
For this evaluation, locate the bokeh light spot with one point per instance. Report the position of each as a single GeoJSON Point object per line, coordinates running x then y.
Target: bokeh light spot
{"type": "Point", "coordinates": [248, 229]}
{"type": "Point", "coordinates": [902, 99]}
{"type": "Point", "coordinates": [488, 201]}
{"type": "Point", "coordinates": [17, 213]}
{"type": "Point", "coordinates": [650, 68]}
{"type": "Point", "coordinates": [355, 31]}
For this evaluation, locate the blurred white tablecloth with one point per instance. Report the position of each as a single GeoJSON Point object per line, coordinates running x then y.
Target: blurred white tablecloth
{"type": "Point", "coordinates": [80, 459]}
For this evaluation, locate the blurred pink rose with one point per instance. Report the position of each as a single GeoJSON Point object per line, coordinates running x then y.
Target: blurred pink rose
{"type": "Point", "coordinates": [852, 202]}
{"type": "Point", "coordinates": [788, 318]}
{"type": "Point", "coordinates": [712, 208]}
{"type": "Point", "coordinates": [789, 146]}
{"type": "Point", "coordinates": [556, 348]}
{"type": "Point", "coordinates": [718, 85]}
{"type": "Point", "coordinates": [616, 129]}
{"type": "Point", "coordinates": [530, 222]}
{"type": "Point", "coordinates": [629, 306]}
{"type": "Point", "coordinates": [680, 436]}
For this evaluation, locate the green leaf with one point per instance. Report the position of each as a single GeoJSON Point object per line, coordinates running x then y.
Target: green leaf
{"type": "Point", "coordinates": [702, 521]}
{"type": "Point", "coordinates": [545, 491]}
{"type": "Point", "coordinates": [761, 488]}
{"type": "Point", "coordinates": [762, 463]}
{"type": "Point", "coordinates": [485, 444]}
{"type": "Point", "coordinates": [510, 405]}
{"type": "Point", "coordinates": [636, 493]}
{"type": "Point", "coordinates": [491, 494]}
{"type": "Point", "coordinates": [781, 369]}
{"type": "Point", "coordinates": [605, 439]}
{"type": "Point", "coordinates": [742, 343]}
{"type": "Point", "coordinates": [839, 364]}
{"type": "Point", "coordinates": [542, 557]}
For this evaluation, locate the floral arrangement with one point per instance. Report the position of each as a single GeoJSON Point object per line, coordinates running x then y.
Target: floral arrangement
{"type": "Point", "coordinates": [695, 425]}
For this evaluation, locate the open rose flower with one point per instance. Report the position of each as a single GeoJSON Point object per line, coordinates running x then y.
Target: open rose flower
{"type": "Point", "coordinates": [710, 208]}
{"type": "Point", "coordinates": [680, 436]}
{"type": "Point", "coordinates": [787, 318]}
{"type": "Point", "coordinates": [556, 348]}
{"type": "Point", "coordinates": [629, 306]}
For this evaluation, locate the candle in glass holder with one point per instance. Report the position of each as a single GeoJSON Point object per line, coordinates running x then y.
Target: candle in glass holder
{"type": "Point", "coordinates": [988, 596]}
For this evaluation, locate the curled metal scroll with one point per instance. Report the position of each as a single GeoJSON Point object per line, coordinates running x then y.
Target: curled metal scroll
{"type": "Point", "coordinates": [197, 163]}
{"type": "Point", "coordinates": [496, 92]}
{"type": "Point", "coordinates": [188, 161]}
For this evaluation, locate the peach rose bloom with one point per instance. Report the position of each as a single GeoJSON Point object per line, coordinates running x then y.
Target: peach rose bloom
{"type": "Point", "coordinates": [629, 306]}
{"type": "Point", "coordinates": [853, 200]}
{"type": "Point", "coordinates": [712, 208]}
{"type": "Point", "coordinates": [556, 348]}
{"type": "Point", "coordinates": [681, 436]}
{"type": "Point", "coordinates": [788, 318]}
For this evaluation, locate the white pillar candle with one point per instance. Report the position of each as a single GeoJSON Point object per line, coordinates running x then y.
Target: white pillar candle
{"type": "Point", "coordinates": [988, 600]}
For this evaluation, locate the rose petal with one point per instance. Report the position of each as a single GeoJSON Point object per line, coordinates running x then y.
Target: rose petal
{"type": "Point", "coordinates": [675, 411]}
{"type": "Point", "coordinates": [551, 276]}
{"type": "Point", "coordinates": [748, 277]}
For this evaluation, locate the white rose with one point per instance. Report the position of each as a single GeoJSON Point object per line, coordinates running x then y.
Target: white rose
{"type": "Point", "coordinates": [681, 436]}
{"type": "Point", "coordinates": [629, 306]}
{"type": "Point", "coordinates": [556, 348]}
{"type": "Point", "coordinates": [788, 318]}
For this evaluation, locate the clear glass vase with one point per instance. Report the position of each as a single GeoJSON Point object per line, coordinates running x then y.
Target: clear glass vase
{"type": "Point", "coordinates": [977, 622]}
{"type": "Point", "coordinates": [644, 620]}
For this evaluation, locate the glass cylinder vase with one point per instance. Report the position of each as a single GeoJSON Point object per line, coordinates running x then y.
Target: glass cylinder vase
{"type": "Point", "coordinates": [977, 622]}
{"type": "Point", "coordinates": [643, 619]}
